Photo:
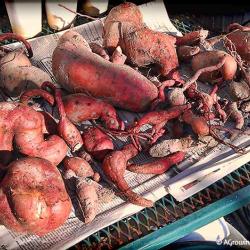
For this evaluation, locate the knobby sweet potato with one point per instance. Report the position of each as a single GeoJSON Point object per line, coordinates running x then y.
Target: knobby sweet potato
{"type": "Point", "coordinates": [25, 126]}
{"type": "Point", "coordinates": [33, 198]}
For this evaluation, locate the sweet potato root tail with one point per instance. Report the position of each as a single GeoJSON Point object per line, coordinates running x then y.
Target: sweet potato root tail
{"type": "Point", "coordinates": [29, 94]}
{"type": "Point", "coordinates": [137, 199]}
{"type": "Point", "coordinates": [158, 166]}
{"type": "Point", "coordinates": [197, 74]}
{"type": "Point", "coordinates": [192, 37]}
{"type": "Point", "coordinates": [12, 36]}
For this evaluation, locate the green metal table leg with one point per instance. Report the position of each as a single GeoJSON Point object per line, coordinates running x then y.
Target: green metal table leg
{"type": "Point", "coordinates": [190, 223]}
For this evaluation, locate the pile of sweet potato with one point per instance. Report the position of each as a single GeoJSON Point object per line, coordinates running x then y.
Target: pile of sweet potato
{"type": "Point", "coordinates": [97, 79]}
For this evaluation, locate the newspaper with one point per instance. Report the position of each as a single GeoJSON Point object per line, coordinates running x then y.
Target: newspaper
{"type": "Point", "coordinates": [150, 186]}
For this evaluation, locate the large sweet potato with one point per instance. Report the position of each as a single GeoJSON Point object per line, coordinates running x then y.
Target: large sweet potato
{"type": "Point", "coordinates": [124, 27]}
{"type": "Point", "coordinates": [77, 69]}
{"type": "Point", "coordinates": [33, 198]}
{"type": "Point", "coordinates": [26, 127]}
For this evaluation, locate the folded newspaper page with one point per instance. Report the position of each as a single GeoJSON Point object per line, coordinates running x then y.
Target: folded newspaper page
{"type": "Point", "coordinates": [150, 186]}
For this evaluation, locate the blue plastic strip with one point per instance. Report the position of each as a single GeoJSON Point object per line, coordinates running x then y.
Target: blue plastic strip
{"type": "Point", "coordinates": [190, 223]}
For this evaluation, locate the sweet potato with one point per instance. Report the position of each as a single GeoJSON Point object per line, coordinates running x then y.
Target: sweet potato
{"type": "Point", "coordinates": [66, 129]}
{"type": "Point", "coordinates": [79, 170]}
{"type": "Point", "coordinates": [33, 198]}
{"type": "Point", "coordinates": [17, 73]}
{"type": "Point", "coordinates": [96, 142]}
{"type": "Point", "coordinates": [78, 70]}
{"type": "Point", "coordinates": [26, 127]}
{"type": "Point", "coordinates": [240, 38]}
{"type": "Point", "coordinates": [80, 108]}
{"type": "Point", "coordinates": [88, 198]}
{"type": "Point", "coordinates": [158, 166]}
{"type": "Point", "coordinates": [124, 27]}
{"type": "Point", "coordinates": [114, 166]}
{"type": "Point", "coordinates": [209, 58]}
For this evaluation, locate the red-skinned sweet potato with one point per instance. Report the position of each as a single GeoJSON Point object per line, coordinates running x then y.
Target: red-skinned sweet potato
{"type": "Point", "coordinates": [158, 166]}
{"type": "Point", "coordinates": [114, 166]}
{"type": "Point", "coordinates": [88, 198]}
{"type": "Point", "coordinates": [33, 198]}
{"type": "Point", "coordinates": [240, 38]}
{"type": "Point", "coordinates": [124, 27]}
{"type": "Point", "coordinates": [80, 108]}
{"type": "Point", "coordinates": [26, 127]}
{"type": "Point", "coordinates": [96, 142]}
{"type": "Point", "coordinates": [77, 69]}
{"type": "Point", "coordinates": [209, 58]}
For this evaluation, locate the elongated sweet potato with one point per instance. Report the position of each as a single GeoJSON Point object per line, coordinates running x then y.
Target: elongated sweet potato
{"type": "Point", "coordinates": [77, 69]}
{"type": "Point", "coordinates": [88, 198]}
{"type": "Point", "coordinates": [209, 58]}
{"type": "Point", "coordinates": [114, 166]}
{"type": "Point", "coordinates": [80, 108]}
{"type": "Point", "coordinates": [158, 166]}
{"type": "Point", "coordinates": [33, 198]}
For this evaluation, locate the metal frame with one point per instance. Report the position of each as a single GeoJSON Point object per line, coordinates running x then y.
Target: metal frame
{"type": "Point", "coordinates": [170, 220]}
{"type": "Point", "coordinates": [188, 224]}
